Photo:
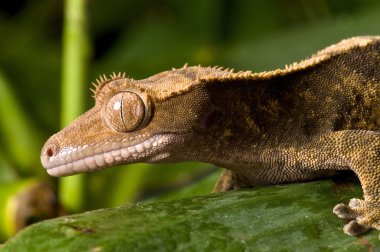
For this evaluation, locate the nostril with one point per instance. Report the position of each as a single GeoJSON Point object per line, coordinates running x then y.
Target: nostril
{"type": "Point", "coordinates": [49, 152]}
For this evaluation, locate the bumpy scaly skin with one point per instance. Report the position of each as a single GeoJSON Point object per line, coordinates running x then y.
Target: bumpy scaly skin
{"type": "Point", "coordinates": [296, 124]}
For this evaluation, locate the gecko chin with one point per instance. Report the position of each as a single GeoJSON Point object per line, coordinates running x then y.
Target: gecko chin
{"type": "Point", "coordinates": [73, 160]}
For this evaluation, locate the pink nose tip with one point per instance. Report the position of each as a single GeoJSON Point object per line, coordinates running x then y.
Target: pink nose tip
{"type": "Point", "coordinates": [47, 152]}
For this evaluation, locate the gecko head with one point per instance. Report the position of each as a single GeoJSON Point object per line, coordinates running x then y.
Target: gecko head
{"type": "Point", "coordinates": [151, 120]}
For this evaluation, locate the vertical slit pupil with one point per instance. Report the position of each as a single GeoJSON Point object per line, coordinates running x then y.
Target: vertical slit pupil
{"type": "Point", "coordinates": [122, 110]}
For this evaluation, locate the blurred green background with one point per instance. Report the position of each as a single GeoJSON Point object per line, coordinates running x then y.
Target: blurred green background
{"type": "Point", "coordinates": [143, 38]}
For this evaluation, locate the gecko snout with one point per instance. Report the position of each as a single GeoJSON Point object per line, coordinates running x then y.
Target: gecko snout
{"type": "Point", "coordinates": [48, 152]}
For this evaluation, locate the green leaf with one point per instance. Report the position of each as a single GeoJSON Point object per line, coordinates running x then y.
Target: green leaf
{"type": "Point", "coordinates": [17, 131]}
{"type": "Point", "coordinates": [296, 217]}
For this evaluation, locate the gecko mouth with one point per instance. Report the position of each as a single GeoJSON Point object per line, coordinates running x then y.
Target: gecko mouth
{"type": "Point", "coordinates": [73, 160]}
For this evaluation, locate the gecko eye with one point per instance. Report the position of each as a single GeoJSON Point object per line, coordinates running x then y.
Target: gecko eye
{"type": "Point", "coordinates": [126, 111]}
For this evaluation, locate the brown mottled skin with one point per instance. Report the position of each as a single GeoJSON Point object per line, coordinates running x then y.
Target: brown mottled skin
{"type": "Point", "coordinates": [300, 123]}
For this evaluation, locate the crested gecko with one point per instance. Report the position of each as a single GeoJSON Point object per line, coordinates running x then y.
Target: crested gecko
{"type": "Point", "coordinates": [299, 123]}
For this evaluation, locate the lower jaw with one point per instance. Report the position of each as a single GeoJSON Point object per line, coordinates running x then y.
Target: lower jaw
{"type": "Point", "coordinates": [131, 154]}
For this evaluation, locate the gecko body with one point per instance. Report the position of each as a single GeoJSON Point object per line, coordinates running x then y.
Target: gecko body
{"type": "Point", "coordinates": [300, 123]}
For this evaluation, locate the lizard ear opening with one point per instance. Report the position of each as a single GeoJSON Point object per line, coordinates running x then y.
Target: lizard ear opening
{"type": "Point", "coordinates": [127, 111]}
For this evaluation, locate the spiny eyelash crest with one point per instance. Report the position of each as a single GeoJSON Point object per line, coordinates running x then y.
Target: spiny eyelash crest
{"type": "Point", "coordinates": [103, 80]}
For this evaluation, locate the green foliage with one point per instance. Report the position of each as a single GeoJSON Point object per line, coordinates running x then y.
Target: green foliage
{"type": "Point", "coordinates": [17, 131]}
{"type": "Point", "coordinates": [294, 217]}
{"type": "Point", "coordinates": [74, 65]}
{"type": "Point", "coordinates": [8, 212]}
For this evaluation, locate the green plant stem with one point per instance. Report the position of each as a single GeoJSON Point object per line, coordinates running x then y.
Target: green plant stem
{"type": "Point", "coordinates": [75, 58]}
